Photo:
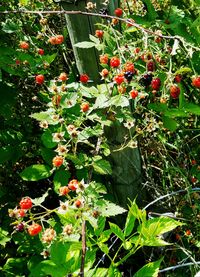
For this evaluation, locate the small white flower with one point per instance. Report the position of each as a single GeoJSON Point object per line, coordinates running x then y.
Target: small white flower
{"type": "Point", "coordinates": [81, 186]}
{"type": "Point", "coordinates": [57, 137]}
{"type": "Point", "coordinates": [61, 149]}
{"type": "Point", "coordinates": [63, 208]}
{"type": "Point", "coordinates": [44, 124]}
{"type": "Point", "coordinates": [129, 124]}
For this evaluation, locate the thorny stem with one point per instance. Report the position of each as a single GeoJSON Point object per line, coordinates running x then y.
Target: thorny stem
{"type": "Point", "coordinates": [127, 21]}
{"type": "Point", "coordinates": [83, 249]}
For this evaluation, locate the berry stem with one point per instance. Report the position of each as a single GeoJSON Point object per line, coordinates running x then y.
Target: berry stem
{"type": "Point", "coordinates": [83, 248]}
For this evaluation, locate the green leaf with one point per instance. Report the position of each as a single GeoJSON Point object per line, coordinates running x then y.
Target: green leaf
{"type": "Point", "coordinates": [102, 167]}
{"type": "Point", "coordinates": [113, 271]}
{"type": "Point", "coordinates": [85, 44]}
{"type": "Point", "coordinates": [15, 265]}
{"type": "Point", "coordinates": [192, 108]}
{"type": "Point", "coordinates": [90, 219]}
{"type": "Point", "coordinates": [169, 123]}
{"type": "Point", "coordinates": [110, 209]}
{"type": "Point", "coordinates": [4, 237]}
{"type": "Point", "coordinates": [36, 172]}
{"type": "Point", "coordinates": [157, 107]}
{"type": "Point", "coordinates": [101, 225]}
{"type": "Point", "coordinates": [40, 200]}
{"type": "Point", "coordinates": [48, 267]}
{"type": "Point", "coordinates": [104, 248]}
{"type": "Point", "coordinates": [117, 231]}
{"type": "Point", "coordinates": [47, 155]}
{"type": "Point", "coordinates": [9, 26]}
{"type": "Point", "coordinates": [149, 270]}
{"type": "Point", "coordinates": [60, 179]}
{"type": "Point", "coordinates": [24, 2]}
{"type": "Point", "coordinates": [97, 272]}
{"type": "Point", "coordinates": [119, 101]}
{"type": "Point", "coordinates": [183, 70]}
{"type": "Point", "coordinates": [176, 113]}
{"type": "Point", "coordinates": [129, 225]}
{"type": "Point", "coordinates": [47, 139]}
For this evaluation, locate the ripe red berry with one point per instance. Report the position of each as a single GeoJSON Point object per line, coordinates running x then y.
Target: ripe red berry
{"type": "Point", "coordinates": [78, 203]}
{"type": "Point", "coordinates": [156, 83]}
{"type": "Point", "coordinates": [57, 161]}
{"type": "Point", "coordinates": [26, 203]}
{"type": "Point", "coordinates": [150, 66]}
{"type": "Point", "coordinates": [84, 78]}
{"type": "Point", "coordinates": [193, 162]}
{"type": "Point", "coordinates": [114, 62]}
{"type": "Point", "coordinates": [129, 67]}
{"type": "Point", "coordinates": [34, 229]}
{"type": "Point", "coordinates": [59, 39]}
{"type": "Point", "coordinates": [188, 232]}
{"type": "Point", "coordinates": [39, 79]}
{"type": "Point", "coordinates": [21, 213]}
{"type": "Point", "coordinates": [133, 94]}
{"type": "Point", "coordinates": [24, 45]}
{"type": "Point", "coordinates": [119, 79]}
{"type": "Point", "coordinates": [99, 33]}
{"type": "Point", "coordinates": [137, 50]}
{"type": "Point", "coordinates": [52, 40]}
{"type": "Point", "coordinates": [118, 12]}
{"type": "Point", "coordinates": [196, 82]}
{"type": "Point", "coordinates": [177, 78]}
{"type": "Point", "coordinates": [63, 77]}
{"type": "Point", "coordinates": [73, 184]}
{"type": "Point", "coordinates": [17, 62]}
{"type": "Point", "coordinates": [174, 91]}
{"type": "Point", "coordinates": [64, 190]}
{"type": "Point", "coordinates": [85, 107]}
{"type": "Point", "coordinates": [41, 52]}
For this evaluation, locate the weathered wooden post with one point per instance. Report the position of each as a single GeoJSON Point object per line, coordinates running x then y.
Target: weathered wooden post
{"type": "Point", "coordinates": [126, 164]}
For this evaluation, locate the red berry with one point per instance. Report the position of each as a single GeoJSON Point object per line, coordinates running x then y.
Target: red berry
{"type": "Point", "coordinates": [56, 100]}
{"type": "Point", "coordinates": [133, 94]}
{"type": "Point", "coordinates": [99, 33]}
{"type": "Point", "coordinates": [187, 232]}
{"type": "Point", "coordinates": [39, 79]}
{"type": "Point", "coordinates": [119, 79]}
{"type": "Point", "coordinates": [59, 39]}
{"type": "Point", "coordinates": [131, 22]}
{"type": "Point", "coordinates": [64, 190]}
{"type": "Point", "coordinates": [73, 184]}
{"type": "Point", "coordinates": [85, 107]}
{"type": "Point", "coordinates": [41, 52]}
{"type": "Point", "coordinates": [52, 40]}
{"type": "Point", "coordinates": [150, 66]}
{"type": "Point", "coordinates": [24, 45]}
{"type": "Point", "coordinates": [129, 66]}
{"type": "Point", "coordinates": [156, 83]}
{"type": "Point", "coordinates": [103, 59]}
{"type": "Point", "coordinates": [78, 203]}
{"type": "Point", "coordinates": [34, 229]}
{"type": "Point", "coordinates": [20, 227]}
{"type": "Point", "coordinates": [104, 73]}
{"type": "Point", "coordinates": [177, 78]}
{"type": "Point", "coordinates": [26, 203]}
{"type": "Point", "coordinates": [114, 62]}
{"type": "Point", "coordinates": [84, 78]}
{"type": "Point", "coordinates": [196, 82]}
{"type": "Point", "coordinates": [118, 12]}
{"type": "Point", "coordinates": [21, 213]}
{"type": "Point", "coordinates": [193, 162]}
{"type": "Point", "coordinates": [63, 77]}
{"type": "Point", "coordinates": [17, 62]}
{"type": "Point", "coordinates": [174, 91]}
{"type": "Point", "coordinates": [57, 161]}
{"type": "Point", "coordinates": [137, 50]}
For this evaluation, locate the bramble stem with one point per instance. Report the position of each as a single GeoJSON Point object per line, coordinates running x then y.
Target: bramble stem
{"type": "Point", "coordinates": [83, 248]}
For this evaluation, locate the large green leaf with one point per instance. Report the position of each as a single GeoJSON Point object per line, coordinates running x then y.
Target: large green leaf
{"type": "Point", "coordinates": [149, 270]}
{"type": "Point", "coordinates": [129, 225]}
{"type": "Point", "coordinates": [48, 267]}
{"type": "Point", "coordinates": [36, 172]}
{"type": "Point", "coordinates": [9, 26]}
{"type": "Point", "coordinates": [85, 44]}
{"type": "Point", "coordinates": [102, 167]}
{"type": "Point", "coordinates": [111, 209]}
{"type": "Point", "coordinates": [192, 108]}
{"type": "Point", "coordinates": [117, 231]}
{"type": "Point", "coordinates": [60, 179]}
{"type": "Point", "coordinates": [169, 123]}
{"type": "Point", "coordinates": [15, 266]}
{"type": "Point", "coordinates": [47, 139]}
{"type": "Point", "coordinates": [4, 237]}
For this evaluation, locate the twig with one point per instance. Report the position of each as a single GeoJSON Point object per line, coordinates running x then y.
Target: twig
{"type": "Point", "coordinates": [177, 266]}
{"type": "Point", "coordinates": [83, 249]}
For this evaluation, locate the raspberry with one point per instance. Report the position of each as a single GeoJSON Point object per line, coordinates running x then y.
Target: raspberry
{"type": "Point", "coordinates": [128, 75]}
{"type": "Point", "coordinates": [146, 80]}
{"type": "Point", "coordinates": [84, 78]}
{"type": "Point", "coordinates": [41, 52]}
{"type": "Point", "coordinates": [64, 190]}
{"type": "Point", "coordinates": [156, 83]}
{"type": "Point", "coordinates": [63, 77]}
{"type": "Point", "coordinates": [24, 45]}
{"type": "Point", "coordinates": [114, 62]}
{"type": "Point", "coordinates": [121, 89]}
{"type": "Point", "coordinates": [188, 232]}
{"type": "Point", "coordinates": [85, 107]}
{"type": "Point", "coordinates": [119, 79]}
{"type": "Point", "coordinates": [137, 50]}
{"type": "Point", "coordinates": [34, 229]}
{"type": "Point", "coordinates": [196, 82]}
{"type": "Point", "coordinates": [26, 203]}
{"type": "Point", "coordinates": [178, 78]}
{"type": "Point", "coordinates": [52, 40]}
{"type": "Point", "coordinates": [104, 73]}
{"type": "Point", "coordinates": [17, 62]}
{"type": "Point", "coordinates": [174, 91]}
{"type": "Point", "coordinates": [59, 39]}
{"type": "Point", "coordinates": [150, 66]}
{"type": "Point", "coordinates": [133, 94]}
{"type": "Point", "coordinates": [39, 79]}
{"type": "Point", "coordinates": [118, 12]}
{"type": "Point", "coordinates": [73, 184]}
{"type": "Point", "coordinates": [129, 66]}
{"type": "Point", "coordinates": [78, 203]}
{"type": "Point", "coordinates": [57, 161]}
{"type": "Point", "coordinates": [19, 227]}
{"type": "Point", "coordinates": [21, 213]}
{"type": "Point", "coordinates": [99, 33]}
{"type": "Point", "coordinates": [103, 59]}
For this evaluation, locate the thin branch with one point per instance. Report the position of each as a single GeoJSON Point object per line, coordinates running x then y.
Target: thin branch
{"type": "Point", "coordinates": [178, 266]}
{"type": "Point", "coordinates": [83, 249]}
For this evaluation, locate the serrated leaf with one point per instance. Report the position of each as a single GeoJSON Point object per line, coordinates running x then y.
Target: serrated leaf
{"type": "Point", "coordinates": [192, 108]}
{"type": "Point", "coordinates": [157, 107]}
{"type": "Point", "coordinates": [85, 44]}
{"type": "Point", "coordinates": [36, 172]}
{"type": "Point", "coordinates": [92, 220]}
{"type": "Point", "coordinates": [9, 26]}
{"type": "Point", "coordinates": [40, 200]}
{"type": "Point", "coordinates": [129, 225]}
{"type": "Point", "coordinates": [102, 167]}
{"type": "Point", "coordinates": [117, 231]}
{"type": "Point", "coordinates": [97, 272]}
{"type": "Point", "coordinates": [119, 101]}
{"type": "Point", "coordinates": [169, 123]}
{"type": "Point", "coordinates": [104, 248]}
{"type": "Point", "coordinates": [94, 39]}
{"type": "Point", "coordinates": [149, 270]}
{"type": "Point", "coordinates": [111, 209]}
{"type": "Point", "coordinates": [4, 237]}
